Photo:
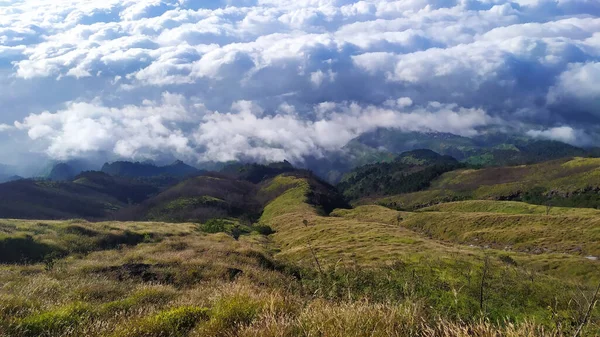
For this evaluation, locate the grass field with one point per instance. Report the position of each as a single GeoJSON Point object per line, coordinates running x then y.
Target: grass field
{"type": "Point", "coordinates": [368, 271]}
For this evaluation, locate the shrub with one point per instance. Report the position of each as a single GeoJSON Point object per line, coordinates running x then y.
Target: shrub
{"type": "Point", "coordinates": [126, 238]}
{"type": "Point", "coordinates": [263, 229]}
{"type": "Point", "coordinates": [80, 230]}
{"type": "Point", "coordinates": [214, 226]}
{"type": "Point", "coordinates": [170, 323]}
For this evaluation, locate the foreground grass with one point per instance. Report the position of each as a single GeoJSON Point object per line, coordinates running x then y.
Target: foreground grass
{"type": "Point", "coordinates": [360, 272]}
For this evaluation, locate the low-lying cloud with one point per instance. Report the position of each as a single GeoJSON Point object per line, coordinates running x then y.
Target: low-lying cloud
{"type": "Point", "coordinates": [272, 80]}
{"type": "Point", "coordinates": [178, 126]}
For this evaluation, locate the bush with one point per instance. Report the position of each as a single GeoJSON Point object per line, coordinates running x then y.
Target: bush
{"type": "Point", "coordinates": [263, 229]}
{"type": "Point", "coordinates": [214, 226]}
{"type": "Point", "coordinates": [170, 323]}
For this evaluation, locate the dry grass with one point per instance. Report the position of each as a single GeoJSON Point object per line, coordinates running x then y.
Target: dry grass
{"type": "Point", "coordinates": [381, 278]}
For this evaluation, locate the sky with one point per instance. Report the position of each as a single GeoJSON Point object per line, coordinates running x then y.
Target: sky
{"type": "Point", "coordinates": [268, 80]}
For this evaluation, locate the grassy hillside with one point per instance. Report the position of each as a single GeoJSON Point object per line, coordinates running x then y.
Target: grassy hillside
{"type": "Point", "coordinates": [215, 196]}
{"type": "Point", "coordinates": [574, 234]}
{"type": "Point", "coordinates": [571, 182]}
{"type": "Point", "coordinates": [368, 271]}
{"type": "Point", "coordinates": [389, 249]}
{"type": "Point", "coordinates": [198, 199]}
{"type": "Point", "coordinates": [508, 207]}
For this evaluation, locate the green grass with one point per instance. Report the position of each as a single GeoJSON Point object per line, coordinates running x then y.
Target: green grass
{"type": "Point", "coordinates": [577, 235]}
{"type": "Point", "coordinates": [182, 203]}
{"type": "Point", "coordinates": [559, 175]}
{"type": "Point", "coordinates": [55, 322]}
{"type": "Point", "coordinates": [565, 182]}
{"type": "Point", "coordinates": [292, 200]}
{"type": "Point", "coordinates": [384, 273]}
{"type": "Point", "coordinates": [507, 207]}
{"type": "Point", "coordinates": [173, 322]}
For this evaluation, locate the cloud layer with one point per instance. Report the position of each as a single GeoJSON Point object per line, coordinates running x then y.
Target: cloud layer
{"type": "Point", "coordinates": [272, 80]}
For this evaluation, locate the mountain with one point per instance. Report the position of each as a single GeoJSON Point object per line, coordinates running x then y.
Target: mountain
{"type": "Point", "coordinates": [90, 195]}
{"type": "Point", "coordinates": [411, 171]}
{"type": "Point", "coordinates": [146, 170]}
{"type": "Point", "coordinates": [198, 199]}
{"type": "Point", "coordinates": [31, 199]}
{"type": "Point", "coordinates": [255, 173]}
{"type": "Point", "coordinates": [237, 192]}
{"type": "Point", "coordinates": [126, 190]}
{"type": "Point", "coordinates": [334, 165]}
{"type": "Point", "coordinates": [487, 149]}
{"type": "Point", "coordinates": [5, 179]}
{"type": "Point", "coordinates": [62, 172]}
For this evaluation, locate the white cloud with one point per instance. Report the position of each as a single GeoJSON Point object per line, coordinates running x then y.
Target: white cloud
{"type": "Point", "coordinates": [94, 63]}
{"type": "Point", "coordinates": [171, 126]}
{"type": "Point", "coordinates": [564, 134]}
{"type": "Point", "coordinates": [129, 131]}
{"type": "Point", "coordinates": [579, 80]}
{"type": "Point", "coordinates": [243, 134]}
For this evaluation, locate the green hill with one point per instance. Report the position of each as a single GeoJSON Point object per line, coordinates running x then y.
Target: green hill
{"type": "Point", "coordinates": [571, 182]}
{"type": "Point", "coordinates": [256, 173]}
{"type": "Point", "coordinates": [409, 172]}
{"type": "Point", "coordinates": [490, 148]}
{"type": "Point", "coordinates": [215, 196]}
{"type": "Point", "coordinates": [196, 200]}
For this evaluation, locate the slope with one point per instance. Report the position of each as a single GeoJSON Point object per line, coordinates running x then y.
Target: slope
{"type": "Point", "coordinates": [570, 182]}
{"type": "Point", "coordinates": [236, 196]}
{"type": "Point", "coordinates": [29, 199]}
{"type": "Point", "coordinates": [91, 195]}
{"type": "Point", "coordinates": [411, 171]}
{"type": "Point", "coordinates": [393, 249]}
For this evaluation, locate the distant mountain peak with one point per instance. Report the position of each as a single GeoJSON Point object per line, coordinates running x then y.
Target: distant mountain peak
{"type": "Point", "coordinates": [62, 172]}
{"type": "Point", "coordinates": [137, 169]}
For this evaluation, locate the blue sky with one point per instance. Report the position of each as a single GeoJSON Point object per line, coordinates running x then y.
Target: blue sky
{"type": "Point", "coordinates": [282, 79]}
